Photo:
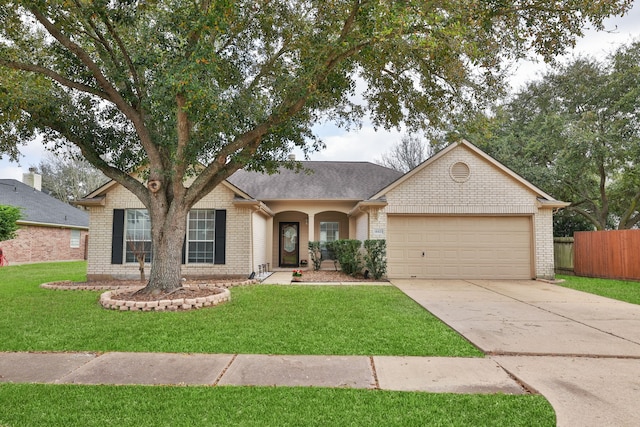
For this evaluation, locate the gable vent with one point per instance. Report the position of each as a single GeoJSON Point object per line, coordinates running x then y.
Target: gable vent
{"type": "Point", "coordinates": [459, 172]}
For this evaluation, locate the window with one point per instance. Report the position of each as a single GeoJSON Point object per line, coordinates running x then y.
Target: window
{"type": "Point", "coordinates": [137, 235]}
{"type": "Point", "coordinates": [75, 238]}
{"type": "Point", "coordinates": [200, 236]}
{"type": "Point", "coordinates": [329, 232]}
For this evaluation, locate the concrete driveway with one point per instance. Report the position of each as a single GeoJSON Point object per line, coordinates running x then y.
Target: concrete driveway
{"type": "Point", "coordinates": [581, 351]}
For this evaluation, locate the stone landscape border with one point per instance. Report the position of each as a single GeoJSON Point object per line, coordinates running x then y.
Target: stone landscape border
{"type": "Point", "coordinates": [110, 300]}
{"type": "Point", "coordinates": [219, 294]}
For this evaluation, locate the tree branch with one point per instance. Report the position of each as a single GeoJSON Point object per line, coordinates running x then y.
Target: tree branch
{"type": "Point", "coordinates": [56, 77]}
{"type": "Point", "coordinates": [113, 95]}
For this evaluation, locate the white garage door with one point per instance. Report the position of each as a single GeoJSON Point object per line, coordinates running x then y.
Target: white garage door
{"type": "Point", "coordinates": [459, 247]}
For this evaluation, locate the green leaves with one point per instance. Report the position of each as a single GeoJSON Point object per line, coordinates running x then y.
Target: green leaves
{"type": "Point", "coordinates": [575, 133]}
{"type": "Point", "coordinates": [172, 87]}
{"type": "Point", "coordinates": [270, 67]}
{"type": "Point", "coordinates": [8, 217]}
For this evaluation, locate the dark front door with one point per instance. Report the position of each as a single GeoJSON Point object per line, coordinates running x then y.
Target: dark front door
{"type": "Point", "coordinates": [289, 244]}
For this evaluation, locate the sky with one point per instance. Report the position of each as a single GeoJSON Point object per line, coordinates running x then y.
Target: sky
{"type": "Point", "coordinates": [368, 144]}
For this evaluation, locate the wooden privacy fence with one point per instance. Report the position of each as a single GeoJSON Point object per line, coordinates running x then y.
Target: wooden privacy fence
{"type": "Point", "coordinates": [563, 255]}
{"type": "Point", "coordinates": [611, 254]}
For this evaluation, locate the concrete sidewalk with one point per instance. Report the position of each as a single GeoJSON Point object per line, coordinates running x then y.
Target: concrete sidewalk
{"type": "Point", "coordinates": [432, 374]}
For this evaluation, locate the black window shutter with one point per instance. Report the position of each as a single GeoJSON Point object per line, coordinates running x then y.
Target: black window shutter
{"type": "Point", "coordinates": [117, 236]}
{"type": "Point", "coordinates": [220, 236]}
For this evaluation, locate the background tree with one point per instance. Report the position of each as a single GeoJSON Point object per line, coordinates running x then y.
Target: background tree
{"type": "Point", "coordinates": [9, 215]}
{"type": "Point", "coordinates": [405, 155]}
{"type": "Point", "coordinates": [68, 177]}
{"type": "Point", "coordinates": [575, 132]}
{"type": "Point", "coordinates": [163, 87]}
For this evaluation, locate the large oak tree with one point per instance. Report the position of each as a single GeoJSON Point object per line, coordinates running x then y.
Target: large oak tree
{"type": "Point", "coordinates": [194, 88]}
{"type": "Point", "coordinates": [575, 132]}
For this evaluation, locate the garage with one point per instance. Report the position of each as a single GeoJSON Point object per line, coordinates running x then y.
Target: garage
{"type": "Point", "coordinates": [460, 247]}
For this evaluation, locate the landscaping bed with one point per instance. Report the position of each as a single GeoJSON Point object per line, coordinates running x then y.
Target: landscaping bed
{"type": "Point", "coordinates": [321, 276]}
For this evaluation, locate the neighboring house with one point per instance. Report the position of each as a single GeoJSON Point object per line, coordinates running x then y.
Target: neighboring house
{"type": "Point", "coordinates": [459, 215]}
{"type": "Point", "coordinates": [50, 230]}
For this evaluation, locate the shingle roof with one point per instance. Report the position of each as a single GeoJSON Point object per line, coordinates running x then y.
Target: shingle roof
{"type": "Point", "coordinates": [39, 207]}
{"type": "Point", "coordinates": [326, 181]}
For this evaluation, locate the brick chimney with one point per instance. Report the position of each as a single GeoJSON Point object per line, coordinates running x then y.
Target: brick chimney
{"type": "Point", "coordinates": [32, 179]}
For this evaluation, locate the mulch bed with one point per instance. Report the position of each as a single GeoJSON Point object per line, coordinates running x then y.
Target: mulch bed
{"type": "Point", "coordinates": [333, 276]}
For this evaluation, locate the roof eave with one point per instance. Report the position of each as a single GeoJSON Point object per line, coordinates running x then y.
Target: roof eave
{"type": "Point", "coordinates": [256, 205]}
{"type": "Point", "coordinates": [365, 205]}
{"type": "Point", "coordinates": [552, 203]}
{"type": "Point", "coordinates": [51, 224]}
{"type": "Point", "coordinates": [91, 201]}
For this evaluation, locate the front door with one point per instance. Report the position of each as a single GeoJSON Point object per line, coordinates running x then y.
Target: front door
{"type": "Point", "coordinates": [289, 244]}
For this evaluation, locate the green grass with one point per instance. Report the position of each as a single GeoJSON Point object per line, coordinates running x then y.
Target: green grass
{"type": "Point", "coordinates": [260, 319]}
{"type": "Point", "coordinates": [72, 405]}
{"type": "Point", "coordinates": [617, 289]}
{"type": "Point", "coordinates": [337, 320]}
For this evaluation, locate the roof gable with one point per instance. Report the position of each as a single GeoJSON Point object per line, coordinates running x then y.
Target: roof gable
{"type": "Point", "coordinates": [465, 145]}
{"type": "Point", "coordinates": [40, 208]}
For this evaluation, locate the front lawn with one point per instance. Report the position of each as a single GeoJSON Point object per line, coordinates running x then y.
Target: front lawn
{"type": "Point", "coordinates": [260, 319]}
{"type": "Point", "coordinates": [71, 405]}
{"type": "Point", "coordinates": [621, 290]}
{"type": "Point", "coordinates": [359, 320]}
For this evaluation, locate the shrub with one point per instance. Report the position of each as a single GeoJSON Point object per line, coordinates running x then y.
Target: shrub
{"type": "Point", "coordinates": [8, 226]}
{"type": "Point", "coordinates": [375, 257]}
{"type": "Point", "coordinates": [347, 252]}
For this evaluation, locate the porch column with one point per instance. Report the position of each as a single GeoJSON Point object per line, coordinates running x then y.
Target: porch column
{"type": "Point", "coordinates": [312, 227]}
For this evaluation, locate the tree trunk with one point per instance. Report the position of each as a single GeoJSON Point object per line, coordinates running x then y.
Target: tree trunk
{"type": "Point", "coordinates": [167, 235]}
{"type": "Point", "coordinates": [140, 258]}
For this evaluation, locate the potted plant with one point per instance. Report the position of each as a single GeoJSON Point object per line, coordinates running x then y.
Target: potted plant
{"type": "Point", "coordinates": [296, 275]}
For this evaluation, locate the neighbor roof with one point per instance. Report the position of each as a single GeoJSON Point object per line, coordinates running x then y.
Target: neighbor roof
{"type": "Point", "coordinates": [40, 208]}
{"type": "Point", "coordinates": [317, 181]}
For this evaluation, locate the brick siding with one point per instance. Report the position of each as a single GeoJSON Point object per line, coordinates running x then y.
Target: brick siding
{"type": "Point", "coordinates": [42, 244]}
{"type": "Point", "coordinates": [488, 191]}
{"type": "Point", "coordinates": [238, 237]}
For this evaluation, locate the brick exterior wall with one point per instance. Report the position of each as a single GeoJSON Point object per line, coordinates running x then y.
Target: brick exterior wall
{"type": "Point", "coordinates": [543, 229]}
{"type": "Point", "coordinates": [487, 191]}
{"type": "Point", "coordinates": [238, 237]}
{"type": "Point", "coordinates": [429, 190]}
{"type": "Point", "coordinates": [43, 244]}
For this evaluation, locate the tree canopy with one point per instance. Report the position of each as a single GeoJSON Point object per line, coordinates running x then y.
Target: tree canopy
{"type": "Point", "coordinates": [202, 88]}
{"type": "Point", "coordinates": [8, 225]}
{"type": "Point", "coordinates": [576, 132]}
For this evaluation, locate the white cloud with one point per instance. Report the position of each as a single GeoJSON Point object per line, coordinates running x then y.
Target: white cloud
{"type": "Point", "coordinates": [31, 154]}
{"type": "Point", "coordinates": [365, 144]}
